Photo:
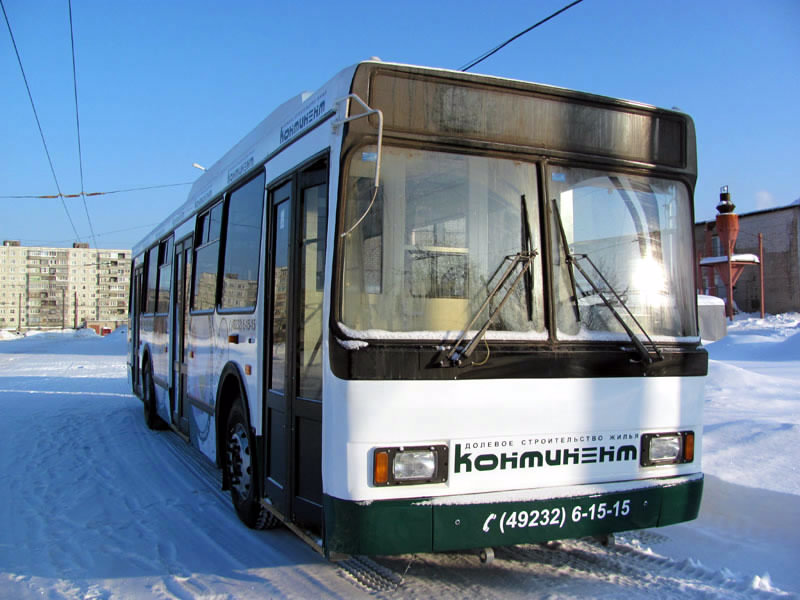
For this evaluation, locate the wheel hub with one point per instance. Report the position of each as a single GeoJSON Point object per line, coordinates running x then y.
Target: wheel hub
{"type": "Point", "coordinates": [239, 460]}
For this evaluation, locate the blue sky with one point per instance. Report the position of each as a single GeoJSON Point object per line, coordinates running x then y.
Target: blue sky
{"type": "Point", "coordinates": [163, 84]}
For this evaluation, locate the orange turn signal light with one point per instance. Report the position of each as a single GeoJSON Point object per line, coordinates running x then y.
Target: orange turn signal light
{"type": "Point", "coordinates": [688, 446]}
{"type": "Point", "coordinates": [380, 473]}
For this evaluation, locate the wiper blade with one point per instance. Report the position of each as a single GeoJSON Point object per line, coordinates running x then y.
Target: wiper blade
{"type": "Point", "coordinates": [562, 236]}
{"type": "Point", "coordinates": [640, 347]}
{"type": "Point", "coordinates": [526, 243]}
{"type": "Point", "coordinates": [457, 354]}
{"type": "Point", "coordinates": [573, 261]}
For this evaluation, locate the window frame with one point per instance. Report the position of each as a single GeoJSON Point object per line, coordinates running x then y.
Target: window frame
{"type": "Point", "coordinates": [147, 301]}
{"type": "Point", "coordinates": [165, 251]}
{"type": "Point", "coordinates": [223, 254]}
{"type": "Point", "coordinates": [202, 230]}
{"type": "Point", "coordinates": [404, 338]}
{"type": "Point", "coordinates": [554, 251]}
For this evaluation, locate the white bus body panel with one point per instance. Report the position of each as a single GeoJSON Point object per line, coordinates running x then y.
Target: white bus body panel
{"type": "Point", "coordinates": [254, 149]}
{"type": "Point", "coordinates": [501, 418]}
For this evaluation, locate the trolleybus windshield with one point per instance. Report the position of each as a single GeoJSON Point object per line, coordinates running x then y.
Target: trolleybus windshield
{"type": "Point", "coordinates": [636, 230]}
{"type": "Point", "coordinates": [433, 245]}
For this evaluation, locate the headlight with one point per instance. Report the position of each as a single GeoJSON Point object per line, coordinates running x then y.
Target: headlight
{"type": "Point", "coordinates": [403, 466]}
{"type": "Point", "coordinates": [667, 448]}
{"type": "Point", "coordinates": [414, 464]}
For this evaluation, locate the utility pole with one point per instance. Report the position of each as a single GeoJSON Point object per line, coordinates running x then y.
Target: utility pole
{"type": "Point", "coordinates": [761, 271]}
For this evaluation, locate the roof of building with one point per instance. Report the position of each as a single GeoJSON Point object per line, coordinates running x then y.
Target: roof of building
{"type": "Point", "coordinates": [792, 206]}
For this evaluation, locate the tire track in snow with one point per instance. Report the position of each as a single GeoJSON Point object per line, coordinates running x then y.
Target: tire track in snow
{"type": "Point", "coordinates": [299, 577]}
{"type": "Point", "coordinates": [369, 575]}
{"type": "Point", "coordinates": [571, 569]}
{"type": "Point", "coordinates": [634, 569]}
{"type": "Point", "coordinates": [57, 485]}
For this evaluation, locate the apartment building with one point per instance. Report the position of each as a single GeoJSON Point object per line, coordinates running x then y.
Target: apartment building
{"type": "Point", "coordinates": [42, 287]}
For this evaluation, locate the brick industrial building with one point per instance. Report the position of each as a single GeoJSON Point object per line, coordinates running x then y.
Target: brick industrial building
{"type": "Point", "coordinates": [47, 288]}
{"type": "Point", "coordinates": [781, 230]}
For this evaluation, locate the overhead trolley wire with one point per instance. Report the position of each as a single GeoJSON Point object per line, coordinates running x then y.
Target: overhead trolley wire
{"type": "Point", "coordinates": [58, 243]}
{"type": "Point", "coordinates": [123, 191]}
{"type": "Point", "coordinates": [38, 123]}
{"type": "Point", "coordinates": [78, 122]}
{"type": "Point", "coordinates": [496, 49]}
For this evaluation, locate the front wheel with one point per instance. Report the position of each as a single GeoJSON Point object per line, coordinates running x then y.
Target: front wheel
{"type": "Point", "coordinates": [243, 474]}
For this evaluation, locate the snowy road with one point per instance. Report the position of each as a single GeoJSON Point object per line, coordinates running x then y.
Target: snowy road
{"type": "Point", "coordinates": [95, 505]}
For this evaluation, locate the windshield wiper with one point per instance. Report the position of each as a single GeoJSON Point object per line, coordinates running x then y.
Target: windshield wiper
{"type": "Point", "coordinates": [573, 261]}
{"type": "Point", "coordinates": [526, 243]}
{"type": "Point", "coordinates": [563, 237]}
{"type": "Point", "coordinates": [455, 357]}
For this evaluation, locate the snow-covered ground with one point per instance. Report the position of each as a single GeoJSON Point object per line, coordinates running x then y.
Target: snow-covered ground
{"type": "Point", "coordinates": [94, 505]}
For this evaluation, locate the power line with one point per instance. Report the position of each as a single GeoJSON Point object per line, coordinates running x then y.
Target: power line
{"type": "Point", "coordinates": [123, 191]}
{"type": "Point", "coordinates": [489, 53]}
{"type": "Point", "coordinates": [148, 226]}
{"type": "Point", "coordinates": [78, 121]}
{"type": "Point", "coordinates": [38, 123]}
{"type": "Point", "coordinates": [57, 243]}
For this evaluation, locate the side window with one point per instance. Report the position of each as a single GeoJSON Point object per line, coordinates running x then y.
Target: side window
{"type": "Point", "coordinates": [242, 245]}
{"type": "Point", "coordinates": [209, 225]}
{"type": "Point", "coordinates": [370, 230]}
{"type": "Point", "coordinates": [135, 291]}
{"type": "Point", "coordinates": [164, 275]}
{"type": "Point", "coordinates": [312, 272]}
{"type": "Point", "coordinates": [152, 280]}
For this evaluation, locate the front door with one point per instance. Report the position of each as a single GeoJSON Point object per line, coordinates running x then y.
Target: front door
{"type": "Point", "coordinates": [183, 277]}
{"type": "Point", "coordinates": [136, 309]}
{"type": "Point", "coordinates": [294, 396]}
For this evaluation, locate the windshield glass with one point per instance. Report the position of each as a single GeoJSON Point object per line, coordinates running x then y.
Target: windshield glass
{"type": "Point", "coordinates": [433, 245]}
{"type": "Point", "coordinates": [637, 232]}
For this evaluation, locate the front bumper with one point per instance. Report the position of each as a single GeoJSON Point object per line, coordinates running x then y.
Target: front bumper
{"type": "Point", "coordinates": [446, 524]}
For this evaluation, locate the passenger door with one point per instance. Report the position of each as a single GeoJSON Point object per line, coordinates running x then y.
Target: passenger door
{"type": "Point", "coordinates": [180, 331]}
{"type": "Point", "coordinates": [135, 315]}
{"type": "Point", "coordinates": [294, 377]}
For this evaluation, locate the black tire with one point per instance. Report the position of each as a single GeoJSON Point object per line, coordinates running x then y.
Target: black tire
{"type": "Point", "coordinates": [240, 461]}
{"type": "Point", "coordinates": [151, 418]}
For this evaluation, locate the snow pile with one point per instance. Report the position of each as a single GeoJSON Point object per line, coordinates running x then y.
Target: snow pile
{"type": "Point", "coordinates": [750, 516]}
{"type": "Point", "coordinates": [752, 416]}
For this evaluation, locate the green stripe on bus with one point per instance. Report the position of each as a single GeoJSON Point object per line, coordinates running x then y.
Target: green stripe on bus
{"type": "Point", "coordinates": [402, 526]}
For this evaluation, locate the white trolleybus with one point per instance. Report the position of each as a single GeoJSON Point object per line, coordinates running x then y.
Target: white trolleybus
{"type": "Point", "coordinates": [422, 310]}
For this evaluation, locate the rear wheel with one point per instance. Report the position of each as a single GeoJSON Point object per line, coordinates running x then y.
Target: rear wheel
{"type": "Point", "coordinates": [243, 472]}
{"type": "Point", "coordinates": [151, 418]}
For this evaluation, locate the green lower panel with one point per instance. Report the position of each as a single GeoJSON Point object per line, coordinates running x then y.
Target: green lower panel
{"type": "Point", "coordinates": [401, 526]}
{"type": "Point", "coordinates": [681, 504]}
{"type": "Point", "coordinates": [382, 527]}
